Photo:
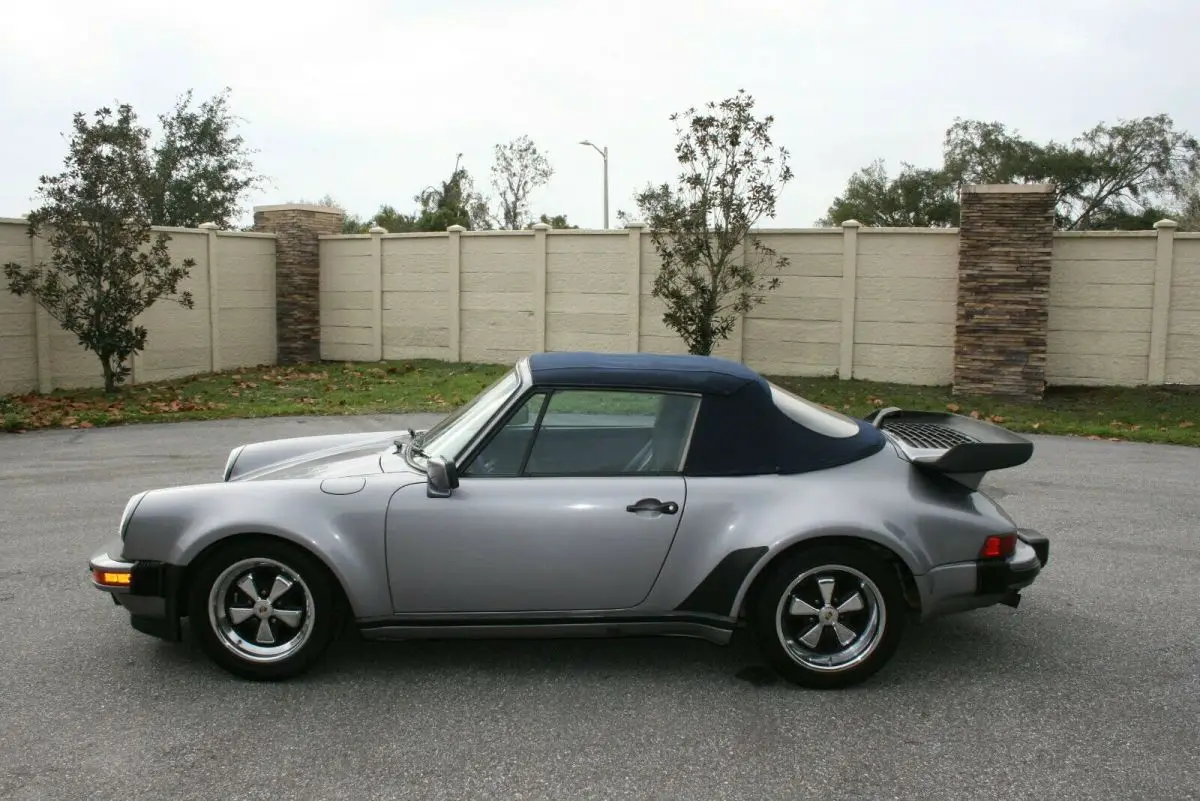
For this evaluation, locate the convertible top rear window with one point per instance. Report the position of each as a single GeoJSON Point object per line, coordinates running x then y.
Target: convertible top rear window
{"type": "Point", "coordinates": [811, 415]}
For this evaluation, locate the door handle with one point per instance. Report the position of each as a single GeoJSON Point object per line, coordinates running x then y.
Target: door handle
{"type": "Point", "coordinates": [653, 505]}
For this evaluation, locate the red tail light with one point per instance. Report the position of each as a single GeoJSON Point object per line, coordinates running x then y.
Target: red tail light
{"type": "Point", "coordinates": [998, 546]}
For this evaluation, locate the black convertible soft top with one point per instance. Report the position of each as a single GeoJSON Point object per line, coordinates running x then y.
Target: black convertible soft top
{"type": "Point", "coordinates": [740, 430]}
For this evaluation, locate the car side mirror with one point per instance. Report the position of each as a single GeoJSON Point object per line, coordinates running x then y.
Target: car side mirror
{"type": "Point", "coordinates": [442, 477]}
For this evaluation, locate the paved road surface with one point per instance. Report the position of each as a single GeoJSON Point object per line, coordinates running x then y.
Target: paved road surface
{"type": "Point", "coordinates": [1090, 690]}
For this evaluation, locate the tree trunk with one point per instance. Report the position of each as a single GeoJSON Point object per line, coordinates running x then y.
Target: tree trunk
{"type": "Point", "coordinates": [110, 378]}
{"type": "Point", "coordinates": [702, 343]}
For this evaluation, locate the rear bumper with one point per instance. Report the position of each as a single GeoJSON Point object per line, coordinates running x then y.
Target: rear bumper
{"type": "Point", "coordinates": [972, 585]}
{"type": "Point", "coordinates": [150, 594]}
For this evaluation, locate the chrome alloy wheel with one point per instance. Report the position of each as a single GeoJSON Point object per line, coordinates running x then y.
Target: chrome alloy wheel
{"type": "Point", "coordinates": [261, 610]}
{"type": "Point", "coordinates": [830, 618]}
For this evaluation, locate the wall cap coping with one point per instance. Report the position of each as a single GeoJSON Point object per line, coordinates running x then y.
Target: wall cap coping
{"type": "Point", "coordinates": [1007, 189]}
{"type": "Point", "coordinates": [1116, 234]}
{"type": "Point", "coordinates": [166, 229]}
{"type": "Point", "coordinates": [851, 224]}
{"type": "Point", "coordinates": [541, 226]}
{"type": "Point", "coordinates": [209, 226]}
{"type": "Point", "coordinates": [299, 207]}
{"type": "Point", "coordinates": [377, 229]}
{"type": "Point", "coordinates": [636, 224]}
{"type": "Point", "coordinates": [1167, 223]}
{"type": "Point", "coordinates": [456, 229]}
{"type": "Point", "coordinates": [250, 234]}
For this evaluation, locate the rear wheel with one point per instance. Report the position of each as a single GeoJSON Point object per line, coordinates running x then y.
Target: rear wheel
{"type": "Point", "coordinates": [263, 609]}
{"type": "Point", "coordinates": [829, 616]}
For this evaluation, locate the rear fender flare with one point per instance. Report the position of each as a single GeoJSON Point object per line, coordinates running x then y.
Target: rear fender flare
{"type": "Point", "coordinates": [910, 562]}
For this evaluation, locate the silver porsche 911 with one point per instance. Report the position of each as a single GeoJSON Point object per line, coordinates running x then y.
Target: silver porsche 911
{"type": "Point", "coordinates": [592, 495]}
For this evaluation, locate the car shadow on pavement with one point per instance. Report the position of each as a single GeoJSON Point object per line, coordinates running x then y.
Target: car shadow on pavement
{"type": "Point", "coordinates": [964, 648]}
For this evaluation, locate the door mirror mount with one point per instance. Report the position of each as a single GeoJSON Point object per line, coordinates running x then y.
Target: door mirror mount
{"type": "Point", "coordinates": [442, 478]}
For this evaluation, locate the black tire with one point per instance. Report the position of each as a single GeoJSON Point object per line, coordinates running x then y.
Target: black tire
{"type": "Point", "coordinates": [877, 627]}
{"type": "Point", "coordinates": [313, 607]}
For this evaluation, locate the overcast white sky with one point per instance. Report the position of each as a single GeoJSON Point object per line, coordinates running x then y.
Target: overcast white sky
{"type": "Point", "coordinates": [371, 101]}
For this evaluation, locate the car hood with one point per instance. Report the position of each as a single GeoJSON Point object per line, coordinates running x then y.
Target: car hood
{"type": "Point", "coordinates": [332, 458]}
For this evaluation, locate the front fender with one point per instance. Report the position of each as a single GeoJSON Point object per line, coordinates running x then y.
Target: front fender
{"type": "Point", "coordinates": [346, 532]}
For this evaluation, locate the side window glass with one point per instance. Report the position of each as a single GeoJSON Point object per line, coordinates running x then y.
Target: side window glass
{"type": "Point", "coordinates": [611, 432]}
{"type": "Point", "coordinates": [503, 454]}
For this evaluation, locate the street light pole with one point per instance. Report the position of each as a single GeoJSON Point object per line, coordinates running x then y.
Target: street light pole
{"type": "Point", "coordinates": [603, 152]}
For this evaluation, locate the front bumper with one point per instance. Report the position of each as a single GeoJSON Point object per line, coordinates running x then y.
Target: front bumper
{"type": "Point", "coordinates": [983, 582]}
{"type": "Point", "coordinates": [148, 590]}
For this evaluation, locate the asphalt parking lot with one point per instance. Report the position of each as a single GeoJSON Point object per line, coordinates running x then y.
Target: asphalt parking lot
{"type": "Point", "coordinates": [1090, 690]}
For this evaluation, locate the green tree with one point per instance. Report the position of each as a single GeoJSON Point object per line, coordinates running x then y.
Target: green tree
{"type": "Point", "coordinates": [713, 268]}
{"type": "Point", "coordinates": [387, 217]}
{"type": "Point", "coordinates": [107, 266]}
{"type": "Point", "coordinates": [1109, 174]}
{"type": "Point", "coordinates": [453, 202]}
{"type": "Point", "coordinates": [1119, 175]}
{"type": "Point", "coordinates": [201, 167]}
{"type": "Point", "coordinates": [557, 221]}
{"type": "Point", "coordinates": [916, 198]}
{"type": "Point", "coordinates": [1188, 213]}
{"type": "Point", "coordinates": [395, 222]}
{"type": "Point", "coordinates": [519, 169]}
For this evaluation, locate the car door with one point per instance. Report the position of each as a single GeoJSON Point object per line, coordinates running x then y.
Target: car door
{"type": "Point", "coordinates": [571, 505]}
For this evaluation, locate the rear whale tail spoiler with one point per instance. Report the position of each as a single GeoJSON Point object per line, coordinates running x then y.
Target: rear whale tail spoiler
{"type": "Point", "coordinates": [960, 447]}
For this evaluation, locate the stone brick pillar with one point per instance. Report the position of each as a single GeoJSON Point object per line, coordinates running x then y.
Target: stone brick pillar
{"type": "Point", "coordinates": [1005, 237]}
{"type": "Point", "coordinates": [297, 275]}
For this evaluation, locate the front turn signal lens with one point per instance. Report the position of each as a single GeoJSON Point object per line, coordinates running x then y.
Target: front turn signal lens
{"type": "Point", "coordinates": [111, 578]}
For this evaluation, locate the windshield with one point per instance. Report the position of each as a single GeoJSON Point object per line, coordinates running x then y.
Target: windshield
{"type": "Point", "coordinates": [812, 416]}
{"type": "Point", "coordinates": [453, 432]}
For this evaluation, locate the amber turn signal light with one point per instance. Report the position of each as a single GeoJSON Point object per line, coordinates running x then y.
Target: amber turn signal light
{"type": "Point", "coordinates": [110, 578]}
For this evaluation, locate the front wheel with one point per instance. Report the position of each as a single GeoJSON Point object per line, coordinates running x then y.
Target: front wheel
{"type": "Point", "coordinates": [828, 617]}
{"type": "Point", "coordinates": [263, 609]}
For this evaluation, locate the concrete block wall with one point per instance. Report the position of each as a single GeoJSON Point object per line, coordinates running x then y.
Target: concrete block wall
{"type": "Point", "coordinates": [231, 324]}
{"type": "Point", "coordinates": [873, 303]}
{"type": "Point", "coordinates": [1121, 308]}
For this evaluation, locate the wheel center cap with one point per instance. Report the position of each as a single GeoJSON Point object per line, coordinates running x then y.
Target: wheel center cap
{"type": "Point", "coordinates": [263, 609]}
{"type": "Point", "coordinates": [829, 615]}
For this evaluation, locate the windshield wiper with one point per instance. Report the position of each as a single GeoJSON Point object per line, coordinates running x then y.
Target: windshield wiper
{"type": "Point", "coordinates": [414, 446]}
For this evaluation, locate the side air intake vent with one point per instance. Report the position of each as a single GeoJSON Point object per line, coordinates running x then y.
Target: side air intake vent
{"type": "Point", "coordinates": [927, 435]}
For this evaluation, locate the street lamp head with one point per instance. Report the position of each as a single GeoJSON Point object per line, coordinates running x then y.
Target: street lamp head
{"type": "Point", "coordinates": [586, 142]}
